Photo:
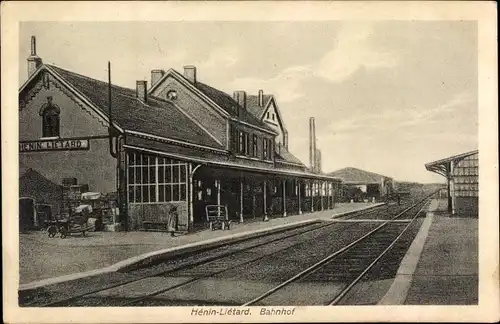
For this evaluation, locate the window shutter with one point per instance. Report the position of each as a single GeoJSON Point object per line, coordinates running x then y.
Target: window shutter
{"type": "Point", "coordinates": [240, 142]}
{"type": "Point", "coordinates": [247, 144]}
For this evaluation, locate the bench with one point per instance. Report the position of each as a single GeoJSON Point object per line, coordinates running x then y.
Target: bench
{"type": "Point", "coordinates": [155, 226]}
{"type": "Point", "coordinates": [217, 217]}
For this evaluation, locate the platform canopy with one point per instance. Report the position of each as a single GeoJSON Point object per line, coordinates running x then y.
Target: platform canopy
{"type": "Point", "coordinates": [443, 166]}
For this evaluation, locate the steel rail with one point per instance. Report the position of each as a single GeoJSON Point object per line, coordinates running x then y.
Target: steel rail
{"type": "Point", "coordinates": [208, 260]}
{"type": "Point", "coordinates": [193, 264]}
{"type": "Point", "coordinates": [370, 266]}
{"type": "Point", "coordinates": [320, 263]}
{"type": "Point", "coordinates": [186, 266]}
{"type": "Point", "coordinates": [198, 278]}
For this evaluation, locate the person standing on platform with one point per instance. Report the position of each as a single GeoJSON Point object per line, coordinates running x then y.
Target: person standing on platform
{"type": "Point", "coordinates": [172, 220]}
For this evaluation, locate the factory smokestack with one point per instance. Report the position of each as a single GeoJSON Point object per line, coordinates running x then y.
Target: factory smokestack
{"type": "Point", "coordinates": [312, 144]}
{"type": "Point", "coordinates": [318, 161]}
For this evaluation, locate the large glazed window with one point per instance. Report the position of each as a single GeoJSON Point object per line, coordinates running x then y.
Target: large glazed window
{"type": "Point", "coordinates": [154, 179]}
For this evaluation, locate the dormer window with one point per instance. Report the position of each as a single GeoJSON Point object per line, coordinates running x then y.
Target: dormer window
{"type": "Point", "coordinates": [50, 114]}
{"type": "Point", "coordinates": [172, 95]}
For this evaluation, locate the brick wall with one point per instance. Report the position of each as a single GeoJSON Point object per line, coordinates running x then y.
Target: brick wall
{"type": "Point", "coordinates": [156, 213]}
{"type": "Point", "coordinates": [467, 206]}
{"type": "Point", "coordinates": [95, 167]}
{"type": "Point", "coordinates": [195, 107]}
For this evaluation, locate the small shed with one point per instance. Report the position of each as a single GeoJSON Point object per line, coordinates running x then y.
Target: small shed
{"type": "Point", "coordinates": [34, 185]}
{"type": "Point", "coordinates": [369, 185]}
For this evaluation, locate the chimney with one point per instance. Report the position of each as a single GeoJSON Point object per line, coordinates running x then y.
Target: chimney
{"type": "Point", "coordinates": [190, 73]}
{"type": "Point", "coordinates": [141, 90]}
{"type": "Point", "coordinates": [34, 62]}
{"type": "Point", "coordinates": [318, 161]}
{"type": "Point", "coordinates": [312, 144]}
{"type": "Point", "coordinates": [261, 98]}
{"type": "Point", "coordinates": [241, 98]}
{"type": "Point", "coordinates": [156, 75]}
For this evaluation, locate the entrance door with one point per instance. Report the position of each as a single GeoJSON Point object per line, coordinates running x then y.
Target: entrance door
{"type": "Point", "coordinates": [204, 193]}
{"type": "Point", "coordinates": [26, 214]}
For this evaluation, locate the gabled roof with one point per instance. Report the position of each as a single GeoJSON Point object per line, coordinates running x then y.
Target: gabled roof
{"type": "Point", "coordinates": [253, 105]}
{"type": "Point", "coordinates": [220, 99]}
{"type": "Point", "coordinates": [34, 185]}
{"type": "Point", "coordinates": [229, 105]}
{"type": "Point", "coordinates": [443, 166]}
{"type": "Point", "coordinates": [23, 169]}
{"type": "Point", "coordinates": [258, 111]}
{"type": "Point", "coordinates": [357, 176]}
{"type": "Point", "coordinates": [285, 156]}
{"type": "Point", "coordinates": [157, 117]}
{"type": "Point", "coordinates": [451, 158]}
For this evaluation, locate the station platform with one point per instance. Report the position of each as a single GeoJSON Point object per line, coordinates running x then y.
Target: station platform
{"type": "Point", "coordinates": [43, 259]}
{"type": "Point", "coordinates": [441, 265]}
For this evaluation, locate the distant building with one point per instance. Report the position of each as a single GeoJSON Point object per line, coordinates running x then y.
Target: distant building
{"type": "Point", "coordinates": [462, 174]}
{"type": "Point", "coordinates": [374, 185]}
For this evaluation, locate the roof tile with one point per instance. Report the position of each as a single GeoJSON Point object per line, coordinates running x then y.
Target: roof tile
{"type": "Point", "coordinates": [287, 156]}
{"type": "Point", "coordinates": [253, 105]}
{"type": "Point", "coordinates": [230, 106]}
{"type": "Point", "coordinates": [157, 117]}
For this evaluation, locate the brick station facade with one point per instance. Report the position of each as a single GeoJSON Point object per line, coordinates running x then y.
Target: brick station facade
{"type": "Point", "coordinates": [178, 142]}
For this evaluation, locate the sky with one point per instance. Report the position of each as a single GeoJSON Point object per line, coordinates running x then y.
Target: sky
{"type": "Point", "coordinates": [387, 96]}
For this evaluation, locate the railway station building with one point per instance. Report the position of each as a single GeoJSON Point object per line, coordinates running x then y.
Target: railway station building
{"type": "Point", "coordinates": [178, 142]}
{"type": "Point", "coordinates": [372, 185]}
{"type": "Point", "coordinates": [462, 177]}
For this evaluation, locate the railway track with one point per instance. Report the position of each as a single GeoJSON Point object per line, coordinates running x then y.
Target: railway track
{"type": "Point", "coordinates": [255, 271]}
{"type": "Point", "coordinates": [213, 263]}
{"type": "Point", "coordinates": [343, 269]}
{"type": "Point", "coordinates": [187, 261]}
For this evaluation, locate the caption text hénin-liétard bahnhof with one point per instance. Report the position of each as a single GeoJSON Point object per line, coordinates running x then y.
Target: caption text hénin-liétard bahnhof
{"type": "Point", "coordinates": [233, 311]}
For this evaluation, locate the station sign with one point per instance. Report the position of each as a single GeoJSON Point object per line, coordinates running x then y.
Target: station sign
{"type": "Point", "coordinates": [54, 145]}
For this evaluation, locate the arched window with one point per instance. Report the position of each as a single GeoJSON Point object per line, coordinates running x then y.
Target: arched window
{"type": "Point", "coordinates": [50, 114]}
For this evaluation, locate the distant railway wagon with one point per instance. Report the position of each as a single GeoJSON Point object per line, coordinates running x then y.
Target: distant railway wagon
{"type": "Point", "coordinates": [402, 194]}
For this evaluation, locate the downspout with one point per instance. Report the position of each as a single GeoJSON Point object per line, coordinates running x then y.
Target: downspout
{"type": "Point", "coordinates": [116, 150]}
{"type": "Point", "coordinates": [122, 180]}
{"type": "Point", "coordinates": [111, 131]}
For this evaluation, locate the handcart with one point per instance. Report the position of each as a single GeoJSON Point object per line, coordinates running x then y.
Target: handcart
{"type": "Point", "coordinates": [75, 223]}
{"type": "Point", "coordinates": [217, 217]}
